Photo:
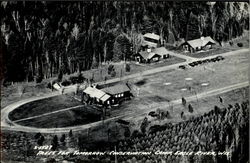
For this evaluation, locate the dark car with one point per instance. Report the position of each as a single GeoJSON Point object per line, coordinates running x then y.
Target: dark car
{"type": "Point", "coordinates": [220, 58]}
{"type": "Point", "coordinates": [153, 114]}
{"type": "Point", "coordinates": [204, 61]}
{"type": "Point", "coordinates": [199, 62]}
{"type": "Point", "coordinates": [195, 63]}
{"type": "Point", "coordinates": [191, 64]}
{"type": "Point", "coordinates": [182, 67]}
{"type": "Point", "coordinates": [213, 59]}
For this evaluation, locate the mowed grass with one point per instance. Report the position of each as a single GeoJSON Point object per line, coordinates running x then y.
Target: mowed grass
{"type": "Point", "coordinates": [43, 106]}
{"type": "Point", "coordinates": [232, 70]}
{"type": "Point", "coordinates": [74, 117]}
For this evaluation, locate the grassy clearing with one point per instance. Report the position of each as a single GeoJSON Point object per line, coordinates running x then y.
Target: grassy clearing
{"type": "Point", "coordinates": [24, 90]}
{"type": "Point", "coordinates": [43, 106]}
{"type": "Point", "coordinates": [74, 117]}
{"type": "Point", "coordinates": [232, 70]}
{"type": "Point", "coordinates": [153, 91]}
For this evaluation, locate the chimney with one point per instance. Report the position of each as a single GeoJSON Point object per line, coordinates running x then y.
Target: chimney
{"type": "Point", "coordinates": [202, 40]}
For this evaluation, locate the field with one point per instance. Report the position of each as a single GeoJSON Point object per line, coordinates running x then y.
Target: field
{"type": "Point", "coordinates": [151, 92]}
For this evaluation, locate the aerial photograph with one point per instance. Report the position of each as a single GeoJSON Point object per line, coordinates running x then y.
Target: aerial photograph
{"type": "Point", "coordinates": [124, 81]}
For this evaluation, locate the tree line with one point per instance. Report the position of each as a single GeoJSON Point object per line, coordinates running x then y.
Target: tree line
{"type": "Point", "coordinates": [42, 39]}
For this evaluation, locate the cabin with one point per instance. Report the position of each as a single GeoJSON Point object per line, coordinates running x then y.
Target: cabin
{"type": "Point", "coordinates": [118, 93]}
{"type": "Point", "coordinates": [203, 43]}
{"type": "Point", "coordinates": [94, 95]}
{"type": "Point", "coordinates": [151, 40]}
{"type": "Point", "coordinates": [152, 55]}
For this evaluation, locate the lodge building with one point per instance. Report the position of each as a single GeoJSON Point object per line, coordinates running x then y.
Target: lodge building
{"type": "Point", "coordinates": [106, 96]}
{"type": "Point", "coordinates": [203, 43]}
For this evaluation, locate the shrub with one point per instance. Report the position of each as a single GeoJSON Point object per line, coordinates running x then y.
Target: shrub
{"type": "Point", "coordinates": [144, 125]}
{"type": "Point", "coordinates": [127, 68]}
{"type": "Point", "coordinates": [113, 74]}
{"type": "Point", "coordinates": [240, 44]}
{"type": "Point", "coordinates": [81, 79]}
{"type": "Point", "coordinates": [73, 79]}
{"type": "Point", "coordinates": [183, 100]}
{"type": "Point", "coordinates": [60, 76]}
{"type": "Point", "coordinates": [190, 108]}
{"type": "Point", "coordinates": [66, 82]}
{"type": "Point", "coordinates": [39, 79]}
{"type": "Point", "coordinates": [111, 69]}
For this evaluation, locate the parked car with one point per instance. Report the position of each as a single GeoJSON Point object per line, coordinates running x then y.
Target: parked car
{"type": "Point", "coordinates": [153, 114]}
{"type": "Point", "coordinates": [213, 59]}
{"type": "Point", "coordinates": [191, 64]}
{"type": "Point", "coordinates": [220, 58]}
{"type": "Point", "coordinates": [195, 63]}
{"type": "Point", "coordinates": [199, 62]}
{"type": "Point", "coordinates": [182, 67]}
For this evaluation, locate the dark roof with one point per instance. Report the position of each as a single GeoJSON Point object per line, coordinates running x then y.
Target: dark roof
{"type": "Point", "coordinates": [116, 89]}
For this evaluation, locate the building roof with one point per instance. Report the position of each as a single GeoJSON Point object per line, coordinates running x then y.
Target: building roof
{"type": "Point", "coordinates": [161, 51]}
{"type": "Point", "coordinates": [155, 51]}
{"type": "Point", "coordinates": [96, 93]}
{"type": "Point", "coordinates": [116, 89]}
{"type": "Point", "coordinates": [147, 55]}
{"type": "Point", "coordinates": [203, 41]}
{"type": "Point", "coordinates": [152, 36]}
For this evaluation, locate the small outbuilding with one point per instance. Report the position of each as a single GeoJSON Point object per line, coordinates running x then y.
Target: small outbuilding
{"type": "Point", "coordinates": [151, 40]}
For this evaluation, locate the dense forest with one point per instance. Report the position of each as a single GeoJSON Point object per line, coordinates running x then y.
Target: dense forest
{"type": "Point", "coordinates": [42, 39]}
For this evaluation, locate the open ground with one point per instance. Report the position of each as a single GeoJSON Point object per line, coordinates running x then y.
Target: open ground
{"type": "Point", "coordinates": [150, 90]}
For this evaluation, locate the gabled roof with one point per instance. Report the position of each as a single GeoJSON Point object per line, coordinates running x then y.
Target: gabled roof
{"type": "Point", "coordinates": [152, 36]}
{"type": "Point", "coordinates": [161, 51]}
{"type": "Point", "coordinates": [200, 42]}
{"type": "Point", "coordinates": [96, 93]}
{"type": "Point", "coordinates": [147, 55]}
{"type": "Point", "coordinates": [116, 89]}
{"type": "Point", "coordinates": [155, 51]}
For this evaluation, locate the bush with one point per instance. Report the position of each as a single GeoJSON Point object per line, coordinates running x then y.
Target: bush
{"type": "Point", "coordinates": [66, 82]}
{"type": "Point", "coordinates": [113, 74]}
{"type": "Point", "coordinates": [81, 79]}
{"type": "Point", "coordinates": [127, 68]}
{"type": "Point", "coordinates": [39, 79]}
{"type": "Point", "coordinates": [60, 76]}
{"type": "Point", "coordinates": [73, 79]}
{"type": "Point", "coordinates": [190, 108]}
{"type": "Point", "coordinates": [240, 44]}
{"type": "Point", "coordinates": [137, 134]}
{"type": "Point", "coordinates": [111, 69]}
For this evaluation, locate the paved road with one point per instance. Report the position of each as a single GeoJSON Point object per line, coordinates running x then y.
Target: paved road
{"type": "Point", "coordinates": [16, 127]}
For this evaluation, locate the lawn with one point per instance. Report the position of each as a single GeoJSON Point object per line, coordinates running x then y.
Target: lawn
{"type": "Point", "coordinates": [74, 117]}
{"type": "Point", "coordinates": [153, 91]}
{"type": "Point", "coordinates": [43, 106]}
{"type": "Point", "coordinates": [173, 85]}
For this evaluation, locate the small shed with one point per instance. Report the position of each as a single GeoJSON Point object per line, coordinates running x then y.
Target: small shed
{"type": "Point", "coordinates": [151, 40]}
